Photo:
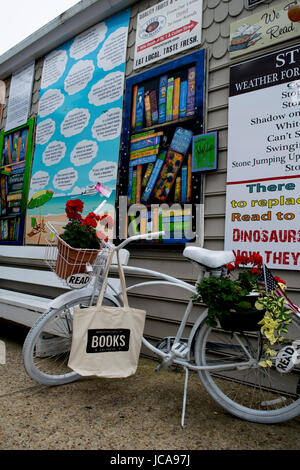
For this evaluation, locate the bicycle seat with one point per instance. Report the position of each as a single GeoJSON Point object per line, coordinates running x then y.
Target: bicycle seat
{"type": "Point", "coordinates": [208, 258]}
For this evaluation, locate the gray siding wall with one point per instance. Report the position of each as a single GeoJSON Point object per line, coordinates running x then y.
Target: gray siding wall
{"type": "Point", "coordinates": [165, 306]}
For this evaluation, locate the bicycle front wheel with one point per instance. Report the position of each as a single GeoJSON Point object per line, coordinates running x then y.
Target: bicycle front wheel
{"type": "Point", "coordinates": [46, 349]}
{"type": "Point", "coordinates": [253, 393]}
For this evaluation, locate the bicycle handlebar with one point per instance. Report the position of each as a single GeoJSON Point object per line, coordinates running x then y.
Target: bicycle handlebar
{"type": "Point", "coordinates": [125, 242]}
{"type": "Point", "coordinates": [139, 237]}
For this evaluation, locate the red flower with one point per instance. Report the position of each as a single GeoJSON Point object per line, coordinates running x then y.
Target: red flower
{"type": "Point", "coordinates": [73, 207]}
{"type": "Point", "coordinates": [257, 259]}
{"type": "Point", "coordinates": [91, 219]}
{"type": "Point", "coordinates": [230, 267]}
{"type": "Point", "coordinates": [255, 271]}
{"type": "Point", "coordinates": [278, 280]}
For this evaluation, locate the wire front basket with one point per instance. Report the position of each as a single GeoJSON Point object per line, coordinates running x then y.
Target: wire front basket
{"type": "Point", "coordinates": [76, 267]}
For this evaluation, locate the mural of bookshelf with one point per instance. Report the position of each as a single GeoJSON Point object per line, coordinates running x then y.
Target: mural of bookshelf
{"type": "Point", "coordinates": [164, 109]}
{"type": "Point", "coordinates": [15, 165]}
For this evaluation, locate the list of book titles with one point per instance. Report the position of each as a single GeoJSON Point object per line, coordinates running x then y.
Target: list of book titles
{"type": "Point", "coordinates": [266, 143]}
{"type": "Point", "coordinates": [263, 181]}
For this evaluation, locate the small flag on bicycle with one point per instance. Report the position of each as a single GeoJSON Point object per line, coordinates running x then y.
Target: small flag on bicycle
{"type": "Point", "coordinates": [267, 281]}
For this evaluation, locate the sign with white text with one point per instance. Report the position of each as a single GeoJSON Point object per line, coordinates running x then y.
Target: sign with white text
{"type": "Point", "coordinates": [167, 28]}
{"type": "Point", "coordinates": [19, 97]}
{"type": "Point", "coordinates": [263, 175]}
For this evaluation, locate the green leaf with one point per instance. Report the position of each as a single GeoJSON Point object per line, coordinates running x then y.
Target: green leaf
{"type": "Point", "coordinates": [244, 305]}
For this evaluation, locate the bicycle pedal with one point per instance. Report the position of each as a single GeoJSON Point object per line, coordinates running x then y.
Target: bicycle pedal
{"type": "Point", "coordinates": [180, 349]}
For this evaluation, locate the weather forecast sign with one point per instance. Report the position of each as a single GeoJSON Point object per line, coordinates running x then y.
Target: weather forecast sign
{"type": "Point", "coordinates": [79, 124]}
{"type": "Point", "coordinates": [167, 28]}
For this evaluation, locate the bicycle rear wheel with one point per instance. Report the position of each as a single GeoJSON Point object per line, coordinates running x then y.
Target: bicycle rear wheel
{"type": "Point", "coordinates": [47, 346]}
{"type": "Point", "coordinates": [254, 393]}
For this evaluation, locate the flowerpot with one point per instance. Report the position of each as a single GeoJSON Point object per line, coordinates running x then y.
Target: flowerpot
{"type": "Point", "coordinates": [243, 319]}
{"type": "Point", "coordinates": [72, 260]}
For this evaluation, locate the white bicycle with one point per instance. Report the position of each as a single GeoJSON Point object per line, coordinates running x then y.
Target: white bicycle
{"type": "Point", "coordinates": [226, 361]}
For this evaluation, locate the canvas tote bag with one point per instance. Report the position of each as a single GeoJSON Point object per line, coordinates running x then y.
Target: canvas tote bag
{"type": "Point", "coordinates": [106, 341]}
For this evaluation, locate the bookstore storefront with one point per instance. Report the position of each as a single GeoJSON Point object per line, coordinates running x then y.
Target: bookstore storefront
{"type": "Point", "coordinates": [182, 116]}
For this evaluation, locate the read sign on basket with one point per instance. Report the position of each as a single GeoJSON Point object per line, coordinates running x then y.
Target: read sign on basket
{"type": "Point", "coordinates": [79, 280]}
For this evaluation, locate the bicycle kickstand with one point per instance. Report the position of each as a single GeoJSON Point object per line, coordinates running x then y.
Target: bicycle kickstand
{"type": "Point", "coordinates": [184, 396]}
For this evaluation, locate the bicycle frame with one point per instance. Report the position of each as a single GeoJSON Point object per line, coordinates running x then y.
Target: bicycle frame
{"type": "Point", "coordinates": [181, 356]}
{"type": "Point", "coordinates": [171, 358]}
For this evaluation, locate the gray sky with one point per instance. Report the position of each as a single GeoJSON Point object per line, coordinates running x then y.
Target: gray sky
{"type": "Point", "coordinates": [20, 18]}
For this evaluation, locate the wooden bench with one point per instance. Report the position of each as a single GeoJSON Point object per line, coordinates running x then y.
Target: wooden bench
{"type": "Point", "coordinates": [27, 285]}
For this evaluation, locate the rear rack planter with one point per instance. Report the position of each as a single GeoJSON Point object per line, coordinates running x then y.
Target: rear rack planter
{"type": "Point", "coordinates": [243, 320]}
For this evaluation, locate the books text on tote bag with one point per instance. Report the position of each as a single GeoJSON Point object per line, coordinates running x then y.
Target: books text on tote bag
{"type": "Point", "coordinates": [106, 341]}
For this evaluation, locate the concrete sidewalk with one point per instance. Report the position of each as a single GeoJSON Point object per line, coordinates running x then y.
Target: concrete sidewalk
{"type": "Point", "coordinates": [138, 413]}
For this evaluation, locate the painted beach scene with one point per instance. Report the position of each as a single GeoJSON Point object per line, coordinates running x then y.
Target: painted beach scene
{"type": "Point", "coordinates": [49, 209]}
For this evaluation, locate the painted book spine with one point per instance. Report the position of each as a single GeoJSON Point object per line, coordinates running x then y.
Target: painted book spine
{"type": "Point", "coordinates": [153, 106]}
{"type": "Point", "coordinates": [162, 101]}
{"type": "Point", "coordinates": [14, 197]}
{"type": "Point", "coordinates": [177, 195]}
{"type": "Point", "coordinates": [144, 135]}
{"type": "Point", "coordinates": [144, 143]}
{"type": "Point", "coordinates": [143, 222]}
{"type": "Point", "coordinates": [183, 183]}
{"type": "Point", "coordinates": [134, 94]}
{"type": "Point", "coordinates": [139, 114]}
{"type": "Point", "coordinates": [133, 189]}
{"type": "Point", "coordinates": [189, 178]}
{"type": "Point", "coordinates": [190, 105]}
{"type": "Point", "coordinates": [182, 99]}
{"type": "Point", "coordinates": [133, 225]}
{"type": "Point", "coordinates": [138, 184]}
{"type": "Point", "coordinates": [145, 153]}
{"type": "Point", "coordinates": [129, 189]}
{"type": "Point", "coordinates": [176, 96]}
{"type": "Point", "coordinates": [147, 174]}
{"type": "Point", "coordinates": [170, 91]}
{"type": "Point", "coordinates": [142, 160]}
{"type": "Point", "coordinates": [147, 109]}
{"type": "Point", "coordinates": [154, 175]}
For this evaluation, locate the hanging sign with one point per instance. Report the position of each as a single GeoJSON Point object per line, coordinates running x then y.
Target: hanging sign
{"type": "Point", "coordinates": [167, 28]}
{"type": "Point", "coordinates": [263, 29]}
{"type": "Point", "coordinates": [263, 179]}
{"type": "Point", "coordinates": [19, 97]}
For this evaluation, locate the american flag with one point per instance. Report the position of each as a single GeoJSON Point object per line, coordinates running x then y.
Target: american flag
{"type": "Point", "coordinates": [267, 281]}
